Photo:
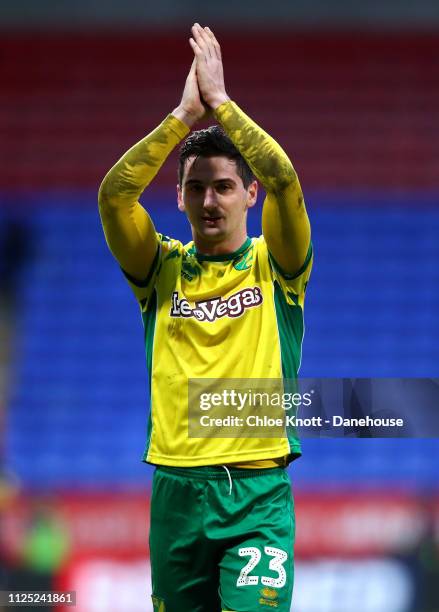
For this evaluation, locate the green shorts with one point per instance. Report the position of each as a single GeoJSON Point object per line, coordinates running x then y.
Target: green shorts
{"type": "Point", "coordinates": [219, 542]}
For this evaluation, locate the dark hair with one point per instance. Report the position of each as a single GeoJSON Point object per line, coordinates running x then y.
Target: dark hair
{"type": "Point", "coordinates": [208, 143]}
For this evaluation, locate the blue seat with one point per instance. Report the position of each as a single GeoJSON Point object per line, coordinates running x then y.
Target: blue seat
{"type": "Point", "coordinates": [78, 412]}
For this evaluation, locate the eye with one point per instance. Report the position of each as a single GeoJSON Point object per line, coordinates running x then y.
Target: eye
{"type": "Point", "coordinates": [194, 188]}
{"type": "Point", "coordinates": [223, 187]}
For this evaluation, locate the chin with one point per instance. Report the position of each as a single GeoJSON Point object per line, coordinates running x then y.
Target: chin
{"type": "Point", "coordinates": [212, 232]}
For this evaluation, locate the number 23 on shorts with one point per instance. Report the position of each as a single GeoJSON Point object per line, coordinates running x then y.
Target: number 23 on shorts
{"type": "Point", "coordinates": [278, 558]}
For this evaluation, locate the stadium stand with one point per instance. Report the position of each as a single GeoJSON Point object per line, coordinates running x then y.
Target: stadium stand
{"type": "Point", "coordinates": [360, 128]}
{"type": "Point", "coordinates": [80, 405]}
{"type": "Point", "coordinates": [358, 113]}
{"type": "Point", "coordinates": [362, 108]}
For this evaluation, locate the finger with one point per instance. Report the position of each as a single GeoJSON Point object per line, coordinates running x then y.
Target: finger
{"type": "Point", "coordinates": [201, 45]}
{"type": "Point", "coordinates": [203, 39]}
{"type": "Point", "coordinates": [197, 33]}
{"type": "Point", "coordinates": [212, 43]}
{"type": "Point", "coordinates": [202, 33]}
{"type": "Point", "coordinates": [215, 43]}
{"type": "Point", "coordinates": [212, 36]}
{"type": "Point", "coordinates": [193, 70]}
{"type": "Point", "coordinates": [196, 49]}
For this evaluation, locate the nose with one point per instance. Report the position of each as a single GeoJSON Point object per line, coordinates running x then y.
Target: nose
{"type": "Point", "coordinates": [209, 199]}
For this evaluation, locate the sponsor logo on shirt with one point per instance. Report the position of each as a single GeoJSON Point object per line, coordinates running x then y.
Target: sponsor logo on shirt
{"type": "Point", "coordinates": [269, 597]}
{"type": "Point", "coordinates": [216, 308]}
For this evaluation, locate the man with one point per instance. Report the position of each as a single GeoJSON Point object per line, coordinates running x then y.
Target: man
{"type": "Point", "coordinates": [223, 306]}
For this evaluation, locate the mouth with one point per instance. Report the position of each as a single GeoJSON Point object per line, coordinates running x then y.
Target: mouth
{"type": "Point", "coordinates": [211, 220]}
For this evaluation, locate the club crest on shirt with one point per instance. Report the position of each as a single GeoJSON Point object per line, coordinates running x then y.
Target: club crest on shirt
{"type": "Point", "coordinates": [190, 268]}
{"type": "Point", "coordinates": [216, 308]}
{"type": "Point", "coordinates": [245, 261]}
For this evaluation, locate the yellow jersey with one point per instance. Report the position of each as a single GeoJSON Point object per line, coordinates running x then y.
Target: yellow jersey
{"type": "Point", "coordinates": [216, 317]}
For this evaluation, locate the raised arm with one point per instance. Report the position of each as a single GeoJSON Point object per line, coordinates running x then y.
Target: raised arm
{"type": "Point", "coordinates": [285, 223]}
{"type": "Point", "coordinates": [128, 228]}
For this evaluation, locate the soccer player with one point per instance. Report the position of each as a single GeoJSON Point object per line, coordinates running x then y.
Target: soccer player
{"type": "Point", "coordinates": [223, 306]}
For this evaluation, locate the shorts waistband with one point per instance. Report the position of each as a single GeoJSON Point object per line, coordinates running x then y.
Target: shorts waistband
{"type": "Point", "coordinates": [217, 472]}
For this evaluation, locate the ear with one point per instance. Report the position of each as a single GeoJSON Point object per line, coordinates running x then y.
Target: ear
{"type": "Point", "coordinates": [252, 194]}
{"type": "Point", "coordinates": [180, 203]}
